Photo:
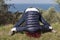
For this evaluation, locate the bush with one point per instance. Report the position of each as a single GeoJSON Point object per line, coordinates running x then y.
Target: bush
{"type": "Point", "coordinates": [51, 15]}
{"type": "Point", "coordinates": [8, 18]}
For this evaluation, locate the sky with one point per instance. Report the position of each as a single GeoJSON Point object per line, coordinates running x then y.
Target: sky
{"type": "Point", "coordinates": [30, 1]}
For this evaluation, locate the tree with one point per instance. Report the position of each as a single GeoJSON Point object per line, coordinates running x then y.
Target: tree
{"type": "Point", "coordinates": [3, 6]}
{"type": "Point", "coordinates": [58, 1]}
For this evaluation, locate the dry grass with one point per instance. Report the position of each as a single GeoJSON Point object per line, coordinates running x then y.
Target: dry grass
{"type": "Point", "coordinates": [4, 30]}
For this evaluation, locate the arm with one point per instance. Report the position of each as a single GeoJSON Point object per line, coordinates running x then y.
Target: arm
{"type": "Point", "coordinates": [43, 20]}
{"type": "Point", "coordinates": [21, 20]}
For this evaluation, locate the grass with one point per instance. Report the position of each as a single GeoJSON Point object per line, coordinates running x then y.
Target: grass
{"type": "Point", "coordinates": [4, 30]}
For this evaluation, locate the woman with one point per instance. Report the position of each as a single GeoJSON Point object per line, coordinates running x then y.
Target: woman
{"type": "Point", "coordinates": [32, 17]}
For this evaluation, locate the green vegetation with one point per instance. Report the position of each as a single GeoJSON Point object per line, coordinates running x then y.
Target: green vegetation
{"type": "Point", "coordinates": [4, 30]}
{"type": "Point", "coordinates": [51, 15]}
{"type": "Point", "coordinates": [58, 1]}
{"type": "Point", "coordinates": [8, 19]}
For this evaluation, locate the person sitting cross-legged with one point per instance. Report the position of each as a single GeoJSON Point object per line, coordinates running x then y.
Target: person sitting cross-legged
{"type": "Point", "coordinates": [32, 17]}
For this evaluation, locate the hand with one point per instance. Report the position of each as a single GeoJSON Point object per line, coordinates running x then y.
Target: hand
{"type": "Point", "coordinates": [54, 31]}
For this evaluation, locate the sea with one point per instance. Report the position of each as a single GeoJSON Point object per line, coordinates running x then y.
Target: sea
{"type": "Point", "coordinates": [22, 7]}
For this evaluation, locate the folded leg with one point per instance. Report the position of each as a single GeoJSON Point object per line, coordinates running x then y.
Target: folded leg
{"type": "Point", "coordinates": [20, 29]}
{"type": "Point", "coordinates": [16, 29]}
{"type": "Point", "coordinates": [45, 28]}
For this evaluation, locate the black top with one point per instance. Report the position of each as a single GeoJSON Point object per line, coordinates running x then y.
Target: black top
{"type": "Point", "coordinates": [31, 18]}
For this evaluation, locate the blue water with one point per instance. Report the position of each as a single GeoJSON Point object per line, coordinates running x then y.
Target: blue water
{"type": "Point", "coordinates": [22, 7]}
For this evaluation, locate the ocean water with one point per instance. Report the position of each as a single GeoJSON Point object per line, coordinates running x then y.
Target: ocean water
{"type": "Point", "coordinates": [22, 7]}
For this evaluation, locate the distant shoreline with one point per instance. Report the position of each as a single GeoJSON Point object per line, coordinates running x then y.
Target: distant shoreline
{"type": "Point", "coordinates": [22, 7]}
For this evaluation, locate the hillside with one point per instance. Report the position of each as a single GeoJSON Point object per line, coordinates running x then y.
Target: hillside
{"type": "Point", "coordinates": [4, 30]}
